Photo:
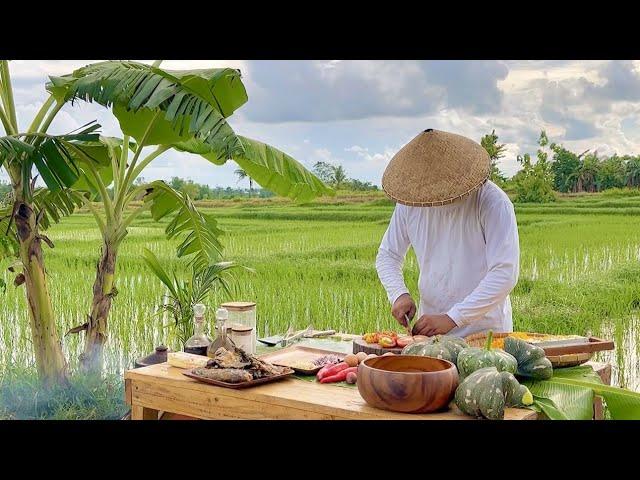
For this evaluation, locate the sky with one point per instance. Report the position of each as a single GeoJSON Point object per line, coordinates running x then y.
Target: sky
{"type": "Point", "coordinates": [359, 113]}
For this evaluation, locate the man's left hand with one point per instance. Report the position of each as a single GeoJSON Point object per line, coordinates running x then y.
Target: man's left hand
{"type": "Point", "coordinates": [433, 325]}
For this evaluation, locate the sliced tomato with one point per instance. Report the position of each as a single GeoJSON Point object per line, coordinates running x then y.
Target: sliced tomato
{"type": "Point", "coordinates": [386, 341]}
{"type": "Point", "coordinates": [404, 341]}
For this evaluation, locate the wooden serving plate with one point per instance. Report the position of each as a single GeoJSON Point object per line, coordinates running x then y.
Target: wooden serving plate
{"type": "Point", "coordinates": [288, 357]}
{"type": "Point", "coordinates": [272, 378]}
{"type": "Point", "coordinates": [359, 345]}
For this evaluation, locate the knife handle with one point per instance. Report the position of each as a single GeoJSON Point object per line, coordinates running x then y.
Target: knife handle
{"type": "Point", "coordinates": [324, 333]}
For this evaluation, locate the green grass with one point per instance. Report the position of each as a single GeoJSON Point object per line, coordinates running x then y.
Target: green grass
{"type": "Point", "coordinates": [85, 398]}
{"type": "Point", "coordinates": [580, 263]}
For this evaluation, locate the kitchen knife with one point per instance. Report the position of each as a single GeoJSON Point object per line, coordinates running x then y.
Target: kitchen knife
{"type": "Point", "coordinates": [272, 341]}
{"type": "Point", "coordinates": [324, 333]}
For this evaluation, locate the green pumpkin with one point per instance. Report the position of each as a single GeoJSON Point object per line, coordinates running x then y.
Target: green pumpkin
{"type": "Point", "coordinates": [474, 358]}
{"type": "Point", "coordinates": [446, 347]}
{"type": "Point", "coordinates": [486, 392]}
{"type": "Point", "coordinates": [532, 361]}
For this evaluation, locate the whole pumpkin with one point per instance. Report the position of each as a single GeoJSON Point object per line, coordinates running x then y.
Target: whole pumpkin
{"type": "Point", "coordinates": [532, 361]}
{"type": "Point", "coordinates": [446, 347]}
{"type": "Point", "coordinates": [474, 358]}
{"type": "Point", "coordinates": [486, 393]}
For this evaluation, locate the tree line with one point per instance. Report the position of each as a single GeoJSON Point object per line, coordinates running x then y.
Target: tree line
{"type": "Point", "coordinates": [558, 169]}
{"type": "Point", "coordinates": [336, 177]}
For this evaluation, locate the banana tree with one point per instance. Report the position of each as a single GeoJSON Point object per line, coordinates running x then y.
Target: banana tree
{"type": "Point", "coordinates": [31, 209]}
{"type": "Point", "coordinates": [182, 110]}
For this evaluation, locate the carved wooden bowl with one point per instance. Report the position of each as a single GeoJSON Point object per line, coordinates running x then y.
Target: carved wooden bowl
{"type": "Point", "coordinates": [407, 383]}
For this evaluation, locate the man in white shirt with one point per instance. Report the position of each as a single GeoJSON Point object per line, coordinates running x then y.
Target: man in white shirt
{"type": "Point", "coordinates": [463, 230]}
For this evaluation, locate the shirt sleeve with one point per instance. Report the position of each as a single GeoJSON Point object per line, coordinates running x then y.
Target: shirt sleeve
{"type": "Point", "coordinates": [391, 254]}
{"type": "Point", "coordinates": [498, 220]}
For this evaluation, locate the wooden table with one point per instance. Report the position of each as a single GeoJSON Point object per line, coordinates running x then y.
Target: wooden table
{"type": "Point", "coordinates": [162, 388]}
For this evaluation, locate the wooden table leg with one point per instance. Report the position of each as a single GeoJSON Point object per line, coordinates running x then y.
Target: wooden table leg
{"type": "Point", "coordinates": [138, 412]}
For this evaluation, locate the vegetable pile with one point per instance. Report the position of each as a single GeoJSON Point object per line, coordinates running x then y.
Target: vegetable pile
{"type": "Point", "coordinates": [486, 392]}
{"type": "Point", "coordinates": [488, 383]}
{"type": "Point", "coordinates": [446, 347]}
{"type": "Point", "coordinates": [474, 358]}
{"type": "Point", "coordinates": [345, 371]}
{"type": "Point", "coordinates": [391, 339]}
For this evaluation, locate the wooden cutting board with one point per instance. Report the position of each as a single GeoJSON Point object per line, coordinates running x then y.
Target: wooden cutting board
{"type": "Point", "coordinates": [359, 345]}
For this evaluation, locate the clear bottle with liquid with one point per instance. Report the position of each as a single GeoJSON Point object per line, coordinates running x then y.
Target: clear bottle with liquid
{"type": "Point", "coordinates": [199, 342]}
{"type": "Point", "coordinates": [221, 340]}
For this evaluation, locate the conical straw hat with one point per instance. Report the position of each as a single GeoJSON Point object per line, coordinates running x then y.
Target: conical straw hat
{"type": "Point", "coordinates": [436, 168]}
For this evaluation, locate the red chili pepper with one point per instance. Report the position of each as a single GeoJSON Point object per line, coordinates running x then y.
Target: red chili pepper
{"type": "Point", "coordinates": [322, 372]}
{"type": "Point", "coordinates": [341, 376]}
{"type": "Point", "coordinates": [333, 370]}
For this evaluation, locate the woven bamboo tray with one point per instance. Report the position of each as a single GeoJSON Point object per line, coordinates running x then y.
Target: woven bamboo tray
{"type": "Point", "coordinates": [557, 361]}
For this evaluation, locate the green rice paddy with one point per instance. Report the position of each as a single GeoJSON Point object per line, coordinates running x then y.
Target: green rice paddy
{"type": "Point", "coordinates": [580, 270]}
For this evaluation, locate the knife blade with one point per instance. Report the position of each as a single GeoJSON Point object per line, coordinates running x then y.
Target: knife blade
{"type": "Point", "coordinates": [409, 329]}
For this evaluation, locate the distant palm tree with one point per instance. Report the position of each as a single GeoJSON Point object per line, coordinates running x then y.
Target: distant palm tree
{"type": "Point", "coordinates": [241, 174]}
{"type": "Point", "coordinates": [339, 176]}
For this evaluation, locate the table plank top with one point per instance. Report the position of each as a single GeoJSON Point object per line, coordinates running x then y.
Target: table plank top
{"type": "Point", "coordinates": [331, 401]}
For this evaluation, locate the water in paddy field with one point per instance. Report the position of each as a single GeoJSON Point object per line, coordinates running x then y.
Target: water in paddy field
{"type": "Point", "coordinates": [625, 359]}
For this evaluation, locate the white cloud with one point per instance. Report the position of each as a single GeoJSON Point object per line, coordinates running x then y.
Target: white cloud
{"type": "Point", "coordinates": [360, 113]}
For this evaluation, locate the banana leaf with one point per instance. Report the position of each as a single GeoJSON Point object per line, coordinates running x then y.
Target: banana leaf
{"type": "Point", "coordinates": [568, 395]}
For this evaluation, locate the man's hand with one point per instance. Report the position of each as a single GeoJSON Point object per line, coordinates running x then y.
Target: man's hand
{"type": "Point", "coordinates": [404, 305]}
{"type": "Point", "coordinates": [433, 325]}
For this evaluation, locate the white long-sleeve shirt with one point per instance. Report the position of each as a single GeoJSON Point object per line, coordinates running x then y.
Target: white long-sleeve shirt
{"type": "Point", "coordinates": [468, 254]}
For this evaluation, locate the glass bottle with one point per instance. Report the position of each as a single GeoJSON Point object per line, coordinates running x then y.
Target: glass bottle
{"type": "Point", "coordinates": [199, 342]}
{"type": "Point", "coordinates": [221, 340]}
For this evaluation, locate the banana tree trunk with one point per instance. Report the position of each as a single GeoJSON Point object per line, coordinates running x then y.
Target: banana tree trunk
{"type": "Point", "coordinates": [50, 361]}
{"type": "Point", "coordinates": [103, 293]}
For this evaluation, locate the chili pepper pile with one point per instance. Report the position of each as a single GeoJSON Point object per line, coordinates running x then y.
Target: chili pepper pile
{"type": "Point", "coordinates": [344, 371]}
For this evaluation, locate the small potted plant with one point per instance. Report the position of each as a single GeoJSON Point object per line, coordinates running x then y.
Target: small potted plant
{"type": "Point", "coordinates": [183, 293]}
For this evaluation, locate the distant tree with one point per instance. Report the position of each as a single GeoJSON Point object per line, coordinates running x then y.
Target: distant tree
{"type": "Point", "coordinates": [359, 185]}
{"type": "Point", "coordinates": [324, 171]}
{"type": "Point", "coordinates": [564, 166]}
{"type": "Point", "coordinates": [534, 182]}
{"type": "Point", "coordinates": [334, 175]}
{"type": "Point", "coordinates": [496, 151]}
{"type": "Point", "coordinates": [611, 173]}
{"type": "Point", "coordinates": [241, 174]}
{"type": "Point", "coordinates": [632, 171]}
{"type": "Point", "coordinates": [339, 177]}
{"type": "Point", "coordinates": [585, 177]}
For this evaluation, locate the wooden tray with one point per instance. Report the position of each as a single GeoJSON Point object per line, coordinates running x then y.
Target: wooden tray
{"type": "Point", "coordinates": [359, 345]}
{"type": "Point", "coordinates": [289, 356]}
{"type": "Point", "coordinates": [559, 356]}
{"type": "Point", "coordinates": [251, 383]}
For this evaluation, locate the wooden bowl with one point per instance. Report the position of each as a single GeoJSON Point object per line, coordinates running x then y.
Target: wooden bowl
{"type": "Point", "coordinates": [407, 383]}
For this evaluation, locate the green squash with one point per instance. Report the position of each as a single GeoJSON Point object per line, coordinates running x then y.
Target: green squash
{"type": "Point", "coordinates": [474, 358]}
{"type": "Point", "coordinates": [446, 347]}
{"type": "Point", "coordinates": [532, 361]}
{"type": "Point", "coordinates": [486, 392]}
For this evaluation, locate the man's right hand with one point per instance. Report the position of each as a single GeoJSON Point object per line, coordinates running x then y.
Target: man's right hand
{"type": "Point", "coordinates": [404, 305]}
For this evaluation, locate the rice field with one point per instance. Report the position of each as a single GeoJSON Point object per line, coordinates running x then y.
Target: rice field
{"type": "Point", "coordinates": [580, 270]}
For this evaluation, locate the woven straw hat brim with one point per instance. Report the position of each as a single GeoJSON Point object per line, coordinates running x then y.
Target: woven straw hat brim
{"type": "Point", "coordinates": [436, 168]}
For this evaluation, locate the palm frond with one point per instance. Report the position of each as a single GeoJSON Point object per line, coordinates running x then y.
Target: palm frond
{"type": "Point", "coordinates": [195, 103]}
{"type": "Point", "coordinates": [200, 230]}
{"type": "Point", "coordinates": [52, 206]}
{"type": "Point", "coordinates": [269, 167]}
{"type": "Point", "coordinates": [49, 153]}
